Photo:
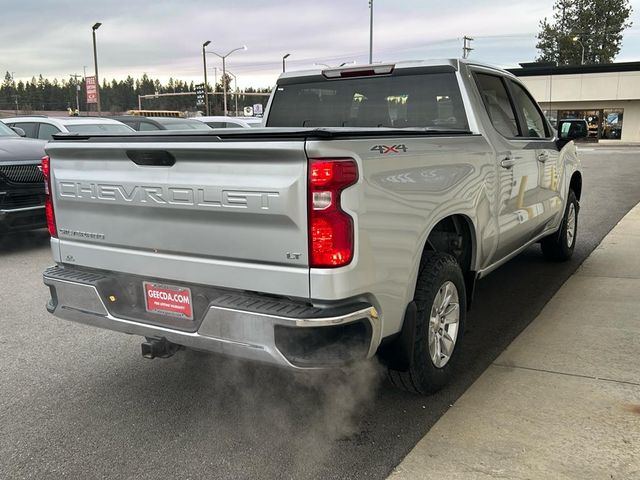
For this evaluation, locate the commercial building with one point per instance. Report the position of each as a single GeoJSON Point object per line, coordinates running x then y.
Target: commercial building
{"type": "Point", "coordinates": [607, 96]}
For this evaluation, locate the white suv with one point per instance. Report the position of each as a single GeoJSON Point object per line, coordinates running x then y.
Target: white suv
{"type": "Point", "coordinates": [45, 127]}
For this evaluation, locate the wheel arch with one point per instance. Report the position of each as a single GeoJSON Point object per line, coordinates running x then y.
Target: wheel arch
{"type": "Point", "coordinates": [454, 223]}
{"type": "Point", "coordinates": [396, 351]}
{"type": "Point", "coordinates": [575, 183]}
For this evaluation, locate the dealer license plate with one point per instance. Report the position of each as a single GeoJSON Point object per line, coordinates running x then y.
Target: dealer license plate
{"type": "Point", "coordinates": [168, 300]}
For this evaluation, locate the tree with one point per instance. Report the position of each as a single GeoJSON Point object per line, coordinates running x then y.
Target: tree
{"type": "Point", "coordinates": [596, 25]}
{"type": "Point", "coordinates": [42, 94]}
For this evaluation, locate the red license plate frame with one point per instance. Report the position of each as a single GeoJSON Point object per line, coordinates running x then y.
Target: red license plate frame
{"type": "Point", "coordinates": [169, 300]}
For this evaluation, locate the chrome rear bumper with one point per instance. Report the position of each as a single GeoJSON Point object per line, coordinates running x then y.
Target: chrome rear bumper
{"type": "Point", "coordinates": [230, 331]}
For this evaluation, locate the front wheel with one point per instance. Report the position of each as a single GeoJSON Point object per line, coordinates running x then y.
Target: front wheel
{"type": "Point", "coordinates": [559, 246]}
{"type": "Point", "coordinates": [440, 299]}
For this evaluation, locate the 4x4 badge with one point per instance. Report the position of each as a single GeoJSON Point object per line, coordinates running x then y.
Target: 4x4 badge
{"type": "Point", "coordinates": [386, 149]}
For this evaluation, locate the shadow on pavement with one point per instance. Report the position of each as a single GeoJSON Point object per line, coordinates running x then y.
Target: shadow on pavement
{"type": "Point", "coordinates": [23, 241]}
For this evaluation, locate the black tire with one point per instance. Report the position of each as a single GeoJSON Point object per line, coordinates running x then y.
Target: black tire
{"type": "Point", "coordinates": [423, 376]}
{"type": "Point", "coordinates": [559, 246]}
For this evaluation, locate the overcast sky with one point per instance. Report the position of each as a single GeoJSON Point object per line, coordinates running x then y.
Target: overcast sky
{"type": "Point", "coordinates": [164, 38]}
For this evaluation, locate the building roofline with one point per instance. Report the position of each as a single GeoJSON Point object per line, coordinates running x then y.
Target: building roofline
{"type": "Point", "coordinates": [531, 70]}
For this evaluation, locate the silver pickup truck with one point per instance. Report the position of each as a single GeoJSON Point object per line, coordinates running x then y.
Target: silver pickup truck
{"type": "Point", "coordinates": [354, 225]}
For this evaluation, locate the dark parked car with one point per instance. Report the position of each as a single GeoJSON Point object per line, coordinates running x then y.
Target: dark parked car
{"type": "Point", "coordinates": [145, 124]}
{"type": "Point", "coordinates": [21, 182]}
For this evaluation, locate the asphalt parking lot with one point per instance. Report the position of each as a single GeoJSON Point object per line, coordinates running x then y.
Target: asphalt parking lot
{"type": "Point", "coordinates": [76, 402]}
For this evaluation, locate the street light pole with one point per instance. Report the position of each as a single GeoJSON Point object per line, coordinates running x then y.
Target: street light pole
{"type": "Point", "coordinates": [84, 79]}
{"type": "Point", "coordinates": [206, 88]}
{"type": "Point", "coordinates": [95, 64]}
{"type": "Point", "coordinates": [224, 72]}
{"type": "Point", "coordinates": [576, 39]}
{"type": "Point", "coordinates": [370, 31]}
{"type": "Point", "coordinates": [283, 62]}
{"type": "Point", "coordinates": [224, 86]}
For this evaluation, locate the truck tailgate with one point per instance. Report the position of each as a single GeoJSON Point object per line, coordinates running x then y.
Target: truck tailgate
{"type": "Point", "coordinates": [229, 214]}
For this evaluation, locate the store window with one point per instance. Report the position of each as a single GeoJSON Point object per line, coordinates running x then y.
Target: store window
{"type": "Point", "coordinates": [612, 124]}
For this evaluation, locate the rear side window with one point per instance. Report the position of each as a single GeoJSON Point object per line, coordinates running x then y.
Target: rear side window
{"type": "Point", "coordinates": [399, 101]}
{"type": "Point", "coordinates": [147, 127]}
{"type": "Point", "coordinates": [535, 125]}
{"type": "Point", "coordinates": [496, 101]}
{"type": "Point", "coordinates": [180, 124]}
{"type": "Point", "coordinates": [47, 131]}
{"type": "Point", "coordinates": [30, 128]}
{"type": "Point", "coordinates": [90, 129]}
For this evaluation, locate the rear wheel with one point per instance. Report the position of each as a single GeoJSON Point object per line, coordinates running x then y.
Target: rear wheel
{"type": "Point", "coordinates": [559, 246]}
{"type": "Point", "coordinates": [440, 299]}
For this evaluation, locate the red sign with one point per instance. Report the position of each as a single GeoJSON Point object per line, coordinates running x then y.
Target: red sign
{"type": "Point", "coordinates": [168, 300]}
{"type": "Point", "coordinates": [92, 90]}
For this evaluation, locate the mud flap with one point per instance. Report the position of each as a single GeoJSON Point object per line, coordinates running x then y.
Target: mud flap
{"type": "Point", "coordinates": [398, 351]}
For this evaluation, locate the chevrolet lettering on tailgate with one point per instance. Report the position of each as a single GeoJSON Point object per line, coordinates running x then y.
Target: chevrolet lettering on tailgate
{"type": "Point", "coordinates": [160, 194]}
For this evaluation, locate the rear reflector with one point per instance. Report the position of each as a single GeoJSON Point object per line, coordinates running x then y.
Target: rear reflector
{"type": "Point", "coordinates": [48, 202]}
{"type": "Point", "coordinates": [330, 228]}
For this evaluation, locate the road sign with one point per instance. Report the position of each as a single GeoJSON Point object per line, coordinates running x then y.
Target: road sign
{"type": "Point", "coordinates": [199, 94]}
{"type": "Point", "coordinates": [92, 90]}
{"type": "Point", "coordinates": [257, 109]}
{"type": "Point", "coordinates": [248, 111]}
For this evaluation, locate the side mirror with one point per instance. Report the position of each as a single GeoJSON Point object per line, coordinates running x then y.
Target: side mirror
{"type": "Point", "coordinates": [19, 131]}
{"type": "Point", "coordinates": [572, 130]}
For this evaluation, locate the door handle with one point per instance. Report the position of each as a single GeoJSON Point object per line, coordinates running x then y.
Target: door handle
{"type": "Point", "coordinates": [543, 157]}
{"type": "Point", "coordinates": [508, 162]}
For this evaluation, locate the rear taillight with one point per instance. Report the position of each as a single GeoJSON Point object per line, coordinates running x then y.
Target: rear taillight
{"type": "Point", "coordinates": [48, 202]}
{"type": "Point", "coordinates": [330, 228]}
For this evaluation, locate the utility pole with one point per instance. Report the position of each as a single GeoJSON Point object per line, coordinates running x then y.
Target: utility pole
{"type": "Point", "coordinates": [370, 31]}
{"type": "Point", "coordinates": [75, 77]}
{"type": "Point", "coordinates": [466, 48]}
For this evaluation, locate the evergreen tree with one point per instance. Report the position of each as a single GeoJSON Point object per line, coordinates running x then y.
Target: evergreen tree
{"type": "Point", "coordinates": [596, 25]}
{"type": "Point", "coordinates": [42, 94]}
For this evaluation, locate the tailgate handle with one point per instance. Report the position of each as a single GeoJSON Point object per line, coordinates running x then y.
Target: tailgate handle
{"type": "Point", "coordinates": [151, 158]}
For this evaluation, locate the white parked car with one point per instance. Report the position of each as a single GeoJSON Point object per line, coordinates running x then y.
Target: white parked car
{"type": "Point", "coordinates": [231, 122]}
{"type": "Point", "coordinates": [45, 127]}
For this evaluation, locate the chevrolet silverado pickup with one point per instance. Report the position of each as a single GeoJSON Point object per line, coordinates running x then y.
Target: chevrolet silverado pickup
{"type": "Point", "coordinates": [354, 224]}
{"type": "Point", "coordinates": [21, 182]}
